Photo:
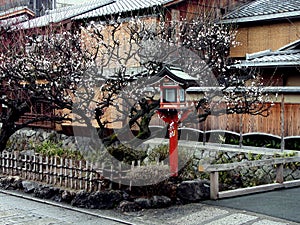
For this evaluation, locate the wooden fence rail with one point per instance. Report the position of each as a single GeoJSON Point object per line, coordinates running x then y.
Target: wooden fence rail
{"type": "Point", "coordinates": [68, 173]}
{"type": "Point", "coordinates": [52, 170]}
{"type": "Point", "coordinates": [214, 170]}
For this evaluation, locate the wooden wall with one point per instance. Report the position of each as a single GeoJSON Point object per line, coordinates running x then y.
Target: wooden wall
{"type": "Point", "coordinates": [270, 124]}
{"type": "Point", "coordinates": [269, 36]}
{"type": "Point", "coordinates": [191, 9]}
{"type": "Point", "coordinates": [249, 123]}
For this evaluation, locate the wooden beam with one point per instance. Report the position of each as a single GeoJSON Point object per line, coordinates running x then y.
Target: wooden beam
{"type": "Point", "coordinates": [214, 185]}
{"type": "Point", "coordinates": [249, 190]}
{"type": "Point", "coordinates": [257, 189]}
{"type": "Point", "coordinates": [282, 143]}
{"type": "Point", "coordinates": [236, 165]}
{"type": "Point", "coordinates": [279, 173]}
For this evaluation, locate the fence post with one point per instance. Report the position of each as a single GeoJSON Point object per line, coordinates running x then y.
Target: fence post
{"type": "Point", "coordinates": [282, 122]}
{"type": "Point", "coordinates": [75, 175]}
{"type": "Point", "coordinates": [51, 170]}
{"type": "Point", "coordinates": [214, 185]}
{"type": "Point", "coordinates": [157, 160]}
{"type": "Point", "coordinates": [10, 164]}
{"type": "Point", "coordinates": [34, 168]}
{"type": "Point", "coordinates": [25, 166]}
{"type": "Point", "coordinates": [91, 177]}
{"type": "Point", "coordinates": [120, 175]}
{"type": "Point", "coordinates": [61, 160]}
{"type": "Point", "coordinates": [47, 169]}
{"type": "Point", "coordinates": [111, 176]}
{"type": "Point", "coordinates": [204, 133]}
{"type": "Point", "coordinates": [80, 175]}
{"type": "Point", "coordinates": [86, 175]}
{"type": "Point", "coordinates": [15, 162]}
{"type": "Point", "coordinates": [241, 131]}
{"type": "Point", "coordinates": [66, 178]}
{"type": "Point", "coordinates": [130, 182]}
{"type": "Point", "coordinates": [71, 173]}
{"type": "Point", "coordinates": [279, 173]}
{"type": "Point", "coordinates": [55, 170]}
{"type": "Point", "coordinates": [41, 172]}
{"type": "Point", "coordinates": [3, 162]}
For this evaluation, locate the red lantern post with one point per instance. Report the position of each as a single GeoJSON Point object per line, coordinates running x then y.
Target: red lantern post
{"type": "Point", "coordinates": [173, 117]}
{"type": "Point", "coordinates": [174, 107]}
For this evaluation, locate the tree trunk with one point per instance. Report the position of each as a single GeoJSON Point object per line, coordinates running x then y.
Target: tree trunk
{"type": "Point", "coordinates": [9, 123]}
{"type": "Point", "coordinates": [6, 131]}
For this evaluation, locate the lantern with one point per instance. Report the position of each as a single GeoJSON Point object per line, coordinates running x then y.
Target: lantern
{"type": "Point", "coordinates": [173, 107]}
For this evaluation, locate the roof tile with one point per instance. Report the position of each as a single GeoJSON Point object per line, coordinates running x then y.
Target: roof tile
{"type": "Point", "coordinates": [263, 10]}
{"type": "Point", "coordinates": [61, 14]}
{"type": "Point", "coordinates": [288, 55]}
{"type": "Point", "coordinates": [120, 6]}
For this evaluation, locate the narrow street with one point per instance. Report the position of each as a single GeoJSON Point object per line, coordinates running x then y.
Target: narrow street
{"type": "Point", "coordinates": [23, 209]}
{"type": "Point", "coordinates": [14, 210]}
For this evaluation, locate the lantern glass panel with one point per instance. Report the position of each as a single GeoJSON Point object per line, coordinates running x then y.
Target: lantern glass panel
{"type": "Point", "coordinates": [181, 95]}
{"type": "Point", "coordinates": [170, 95]}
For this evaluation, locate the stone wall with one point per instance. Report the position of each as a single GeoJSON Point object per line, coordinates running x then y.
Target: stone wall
{"type": "Point", "coordinates": [26, 139]}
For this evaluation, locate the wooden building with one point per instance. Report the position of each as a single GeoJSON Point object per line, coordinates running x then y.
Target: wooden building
{"type": "Point", "coordinates": [268, 37]}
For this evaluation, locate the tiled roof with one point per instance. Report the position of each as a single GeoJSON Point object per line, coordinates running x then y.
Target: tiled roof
{"type": "Point", "coordinates": [180, 73]}
{"type": "Point", "coordinates": [176, 74]}
{"type": "Point", "coordinates": [269, 89]}
{"type": "Point", "coordinates": [65, 13]}
{"type": "Point", "coordinates": [15, 15]}
{"type": "Point", "coordinates": [15, 11]}
{"type": "Point", "coordinates": [120, 6]}
{"type": "Point", "coordinates": [288, 55]}
{"type": "Point", "coordinates": [264, 10]}
{"type": "Point", "coordinates": [15, 20]}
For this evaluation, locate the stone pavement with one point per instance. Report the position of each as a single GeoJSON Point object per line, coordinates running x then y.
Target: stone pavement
{"type": "Point", "coordinates": [282, 203]}
{"type": "Point", "coordinates": [203, 214]}
{"type": "Point", "coordinates": [16, 210]}
{"type": "Point", "coordinates": [20, 211]}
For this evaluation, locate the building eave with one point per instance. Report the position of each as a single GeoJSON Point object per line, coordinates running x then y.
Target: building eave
{"type": "Point", "coordinates": [270, 89]}
{"type": "Point", "coordinates": [266, 64]}
{"type": "Point", "coordinates": [277, 16]}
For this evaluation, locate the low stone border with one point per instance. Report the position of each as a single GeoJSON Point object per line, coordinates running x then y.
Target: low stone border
{"type": "Point", "coordinates": [183, 193]}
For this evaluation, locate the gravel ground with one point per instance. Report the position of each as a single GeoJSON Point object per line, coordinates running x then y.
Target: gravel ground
{"type": "Point", "coordinates": [196, 214]}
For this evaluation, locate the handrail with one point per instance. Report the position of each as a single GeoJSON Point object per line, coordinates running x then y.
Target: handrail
{"type": "Point", "coordinates": [214, 170]}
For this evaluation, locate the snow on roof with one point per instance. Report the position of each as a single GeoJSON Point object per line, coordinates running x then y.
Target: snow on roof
{"type": "Point", "coordinates": [14, 11]}
{"type": "Point", "coordinates": [62, 14]}
{"type": "Point", "coordinates": [269, 89]}
{"type": "Point", "coordinates": [180, 73]}
{"type": "Point", "coordinates": [13, 20]}
{"type": "Point", "coordinates": [288, 55]}
{"type": "Point", "coordinates": [120, 6]}
{"type": "Point", "coordinates": [264, 10]}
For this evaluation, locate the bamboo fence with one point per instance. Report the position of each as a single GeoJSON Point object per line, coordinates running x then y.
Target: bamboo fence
{"type": "Point", "coordinates": [63, 172]}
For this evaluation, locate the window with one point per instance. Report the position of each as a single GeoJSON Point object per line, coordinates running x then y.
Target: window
{"type": "Point", "coordinates": [175, 14]}
{"type": "Point", "coordinates": [170, 95]}
{"type": "Point", "coordinates": [181, 95]}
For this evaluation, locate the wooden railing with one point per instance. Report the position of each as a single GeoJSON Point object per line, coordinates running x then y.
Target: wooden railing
{"type": "Point", "coordinates": [67, 173]}
{"type": "Point", "coordinates": [214, 170]}
{"type": "Point", "coordinates": [51, 170]}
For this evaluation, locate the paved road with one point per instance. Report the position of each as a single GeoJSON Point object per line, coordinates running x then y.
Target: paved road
{"type": "Point", "coordinates": [202, 214]}
{"type": "Point", "coordinates": [284, 203]}
{"type": "Point", "coordinates": [19, 211]}
{"type": "Point", "coordinates": [16, 210]}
